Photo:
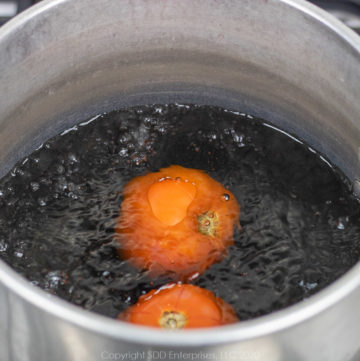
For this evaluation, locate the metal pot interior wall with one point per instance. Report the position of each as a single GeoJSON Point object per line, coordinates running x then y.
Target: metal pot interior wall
{"type": "Point", "coordinates": [263, 58]}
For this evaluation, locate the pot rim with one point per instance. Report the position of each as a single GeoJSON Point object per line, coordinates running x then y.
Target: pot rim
{"type": "Point", "coordinates": [242, 331]}
{"type": "Point", "coordinates": [245, 330]}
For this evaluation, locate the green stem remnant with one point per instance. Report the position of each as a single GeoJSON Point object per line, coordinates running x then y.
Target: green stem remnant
{"type": "Point", "coordinates": [208, 223]}
{"type": "Point", "coordinates": [172, 320]}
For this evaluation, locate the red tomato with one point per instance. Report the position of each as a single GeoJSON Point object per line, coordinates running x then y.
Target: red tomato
{"type": "Point", "coordinates": [177, 221]}
{"type": "Point", "coordinates": [178, 306]}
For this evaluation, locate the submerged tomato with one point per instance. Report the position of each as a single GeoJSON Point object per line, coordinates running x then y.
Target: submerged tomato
{"type": "Point", "coordinates": [177, 220]}
{"type": "Point", "coordinates": [179, 306]}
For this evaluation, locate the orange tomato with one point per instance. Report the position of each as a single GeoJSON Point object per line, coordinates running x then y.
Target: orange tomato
{"type": "Point", "coordinates": [178, 306]}
{"type": "Point", "coordinates": [177, 221]}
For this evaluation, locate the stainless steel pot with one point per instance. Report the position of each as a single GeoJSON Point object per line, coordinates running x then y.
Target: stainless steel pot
{"type": "Point", "coordinates": [284, 60]}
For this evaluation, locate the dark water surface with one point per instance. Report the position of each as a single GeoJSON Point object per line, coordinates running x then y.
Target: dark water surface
{"type": "Point", "coordinates": [300, 222]}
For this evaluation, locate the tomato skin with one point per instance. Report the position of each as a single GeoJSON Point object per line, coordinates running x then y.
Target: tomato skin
{"type": "Point", "coordinates": [195, 307]}
{"type": "Point", "coordinates": [182, 250]}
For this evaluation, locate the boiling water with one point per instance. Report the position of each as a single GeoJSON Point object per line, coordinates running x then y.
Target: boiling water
{"type": "Point", "coordinates": [300, 222]}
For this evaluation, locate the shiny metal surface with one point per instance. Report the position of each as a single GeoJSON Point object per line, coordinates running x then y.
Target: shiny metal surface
{"type": "Point", "coordinates": [285, 60]}
{"type": "Point", "coordinates": [345, 10]}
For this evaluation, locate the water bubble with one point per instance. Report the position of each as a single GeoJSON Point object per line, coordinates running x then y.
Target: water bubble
{"type": "Point", "coordinates": [238, 138]}
{"type": "Point", "coordinates": [131, 146]}
{"type": "Point", "coordinates": [60, 169]}
{"type": "Point", "coordinates": [161, 129]}
{"type": "Point", "coordinates": [124, 138]}
{"type": "Point", "coordinates": [142, 135]}
{"type": "Point", "coordinates": [72, 158]}
{"type": "Point", "coordinates": [149, 121]}
{"type": "Point", "coordinates": [139, 158]}
{"type": "Point", "coordinates": [34, 186]}
{"type": "Point", "coordinates": [123, 152]}
{"type": "Point", "coordinates": [307, 285]}
{"type": "Point", "coordinates": [18, 254]}
{"type": "Point", "coordinates": [17, 171]}
{"type": "Point", "coordinates": [72, 195]}
{"type": "Point", "coordinates": [293, 195]}
{"type": "Point", "coordinates": [42, 202]}
{"type": "Point", "coordinates": [54, 279]}
{"type": "Point", "coordinates": [194, 276]}
{"type": "Point", "coordinates": [61, 184]}
{"type": "Point", "coordinates": [3, 246]}
{"type": "Point", "coordinates": [341, 223]}
{"type": "Point", "coordinates": [106, 274]}
{"type": "Point", "coordinates": [106, 277]}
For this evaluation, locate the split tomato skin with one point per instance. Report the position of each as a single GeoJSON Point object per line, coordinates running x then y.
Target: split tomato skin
{"type": "Point", "coordinates": [176, 222]}
{"type": "Point", "coordinates": [180, 306]}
